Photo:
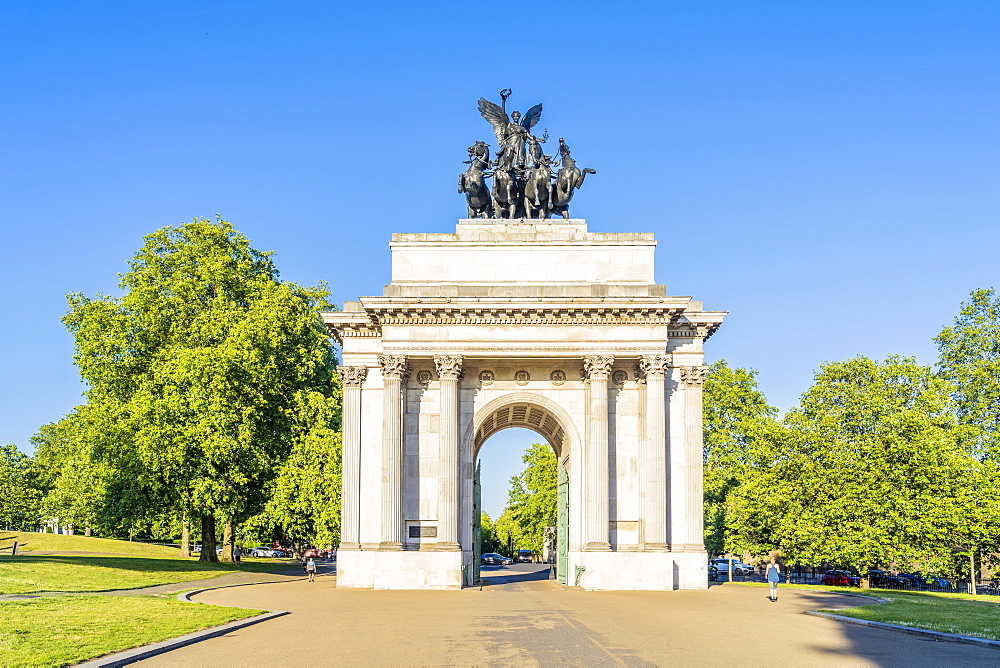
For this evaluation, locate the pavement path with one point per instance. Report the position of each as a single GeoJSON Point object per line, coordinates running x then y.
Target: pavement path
{"type": "Point", "coordinates": [522, 618]}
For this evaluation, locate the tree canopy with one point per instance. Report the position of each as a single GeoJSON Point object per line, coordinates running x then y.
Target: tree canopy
{"type": "Point", "coordinates": [205, 373]}
{"type": "Point", "coordinates": [532, 501]}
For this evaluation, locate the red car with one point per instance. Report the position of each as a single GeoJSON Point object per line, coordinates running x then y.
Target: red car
{"type": "Point", "coordinates": [839, 579]}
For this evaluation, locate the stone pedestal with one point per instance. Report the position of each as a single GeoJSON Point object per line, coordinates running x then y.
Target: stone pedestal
{"type": "Point", "coordinates": [538, 324]}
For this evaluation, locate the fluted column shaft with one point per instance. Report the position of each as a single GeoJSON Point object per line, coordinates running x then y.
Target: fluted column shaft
{"type": "Point", "coordinates": [693, 378]}
{"type": "Point", "coordinates": [352, 378]}
{"type": "Point", "coordinates": [653, 455]}
{"type": "Point", "coordinates": [449, 368]}
{"type": "Point", "coordinates": [597, 369]}
{"type": "Point", "coordinates": [393, 371]}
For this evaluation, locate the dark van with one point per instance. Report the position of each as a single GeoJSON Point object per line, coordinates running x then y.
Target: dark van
{"type": "Point", "coordinates": [524, 556]}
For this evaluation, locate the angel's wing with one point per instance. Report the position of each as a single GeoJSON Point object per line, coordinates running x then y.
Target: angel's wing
{"type": "Point", "coordinates": [530, 119]}
{"type": "Point", "coordinates": [496, 116]}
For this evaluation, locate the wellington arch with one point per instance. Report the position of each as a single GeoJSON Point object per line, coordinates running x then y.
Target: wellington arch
{"type": "Point", "coordinates": [535, 323]}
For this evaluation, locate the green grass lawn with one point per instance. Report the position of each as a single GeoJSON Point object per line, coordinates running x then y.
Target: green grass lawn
{"type": "Point", "coordinates": [49, 542]}
{"type": "Point", "coordinates": [66, 630]}
{"type": "Point", "coordinates": [950, 614]}
{"type": "Point", "coordinates": [937, 611]}
{"type": "Point", "coordinates": [81, 573]}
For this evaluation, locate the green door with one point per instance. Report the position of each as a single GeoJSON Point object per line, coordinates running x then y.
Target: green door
{"type": "Point", "coordinates": [477, 529]}
{"type": "Point", "coordinates": [562, 527]}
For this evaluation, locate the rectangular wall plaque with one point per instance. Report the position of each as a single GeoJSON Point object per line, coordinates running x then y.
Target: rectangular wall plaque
{"type": "Point", "coordinates": [423, 532]}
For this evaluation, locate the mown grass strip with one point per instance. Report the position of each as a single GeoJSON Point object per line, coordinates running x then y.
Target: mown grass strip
{"type": "Point", "coordinates": [947, 612]}
{"type": "Point", "coordinates": [936, 613]}
{"type": "Point", "coordinates": [82, 573]}
{"type": "Point", "coordinates": [48, 542]}
{"type": "Point", "coordinates": [66, 630]}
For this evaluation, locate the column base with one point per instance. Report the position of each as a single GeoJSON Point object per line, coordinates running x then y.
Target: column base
{"type": "Point", "coordinates": [655, 547]}
{"type": "Point", "coordinates": [390, 546]}
{"type": "Point", "coordinates": [447, 547]}
{"type": "Point", "coordinates": [597, 546]}
{"type": "Point", "coordinates": [349, 547]}
{"type": "Point", "coordinates": [403, 569]}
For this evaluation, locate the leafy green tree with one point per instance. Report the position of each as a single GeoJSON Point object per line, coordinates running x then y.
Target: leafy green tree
{"type": "Point", "coordinates": [739, 428]}
{"type": "Point", "coordinates": [870, 473]}
{"type": "Point", "coordinates": [487, 534]}
{"type": "Point", "coordinates": [532, 501]}
{"type": "Point", "coordinates": [304, 499]}
{"type": "Point", "coordinates": [202, 375]}
{"type": "Point", "coordinates": [20, 495]}
{"type": "Point", "coordinates": [970, 359]}
{"type": "Point", "coordinates": [75, 484]}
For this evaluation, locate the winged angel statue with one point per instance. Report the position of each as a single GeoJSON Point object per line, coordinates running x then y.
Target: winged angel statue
{"type": "Point", "coordinates": [512, 133]}
{"type": "Point", "coordinates": [524, 185]}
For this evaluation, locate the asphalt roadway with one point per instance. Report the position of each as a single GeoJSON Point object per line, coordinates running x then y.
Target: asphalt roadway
{"type": "Point", "coordinates": [522, 618]}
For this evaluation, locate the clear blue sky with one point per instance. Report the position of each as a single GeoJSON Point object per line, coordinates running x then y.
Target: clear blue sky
{"type": "Point", "coordinates": [827, 172]}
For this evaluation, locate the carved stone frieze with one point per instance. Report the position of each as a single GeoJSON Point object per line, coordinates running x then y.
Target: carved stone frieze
{"type": "Point", "coordinates": [448, 366]}
{"type": "Point", "coordinates": [486, 377]}
{"type": "Point", "coordinates": [655, 365]}
{"type": "Point", "coordinates": [424, 377]}
{"type": "Point", "coordinates": [352, 376]}
{"type": "Point", "coordinates": [693, 375]}
{"type": "Point", "coordinates": [522, 377]}
{"type": "Point", "coordinates": [597, 366]}
{"type": "Point", "coordinates": [619, 376]}
{"type": "Point", "coordinates": [557, 377]}
{"type": "Point", "coordinates": [393, 366]}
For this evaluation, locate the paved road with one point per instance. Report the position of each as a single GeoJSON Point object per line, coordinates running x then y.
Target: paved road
{"type": "Point", "coordinates": [522, 618]}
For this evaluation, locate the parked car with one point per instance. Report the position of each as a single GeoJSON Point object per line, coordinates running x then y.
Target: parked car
{"type": "Point", "coordinates": [840, 579]}
{"type": "Point", "coordinates": [739, 568]}
{"type": "Point", "coordinates": [493, 559]}
{"type": "Point", "coordinates": [918, 580]}
{"type": "Point", "coordinates": [885, 580]}
{"type": "Point", "coordinates": [263, 551]}
{"type": "Point", "coordinates": [524, 556]}
{"type": "Point", "coordinates": [313, 552]}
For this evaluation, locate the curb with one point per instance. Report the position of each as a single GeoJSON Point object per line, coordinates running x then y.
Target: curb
{"type": "Point", "coordinates": [147, 651]}
{"type": "Point", "coordinates": [937, 635]}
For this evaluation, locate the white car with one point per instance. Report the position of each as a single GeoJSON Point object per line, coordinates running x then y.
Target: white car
{"type": "Point", "coordinates": [263, 551]}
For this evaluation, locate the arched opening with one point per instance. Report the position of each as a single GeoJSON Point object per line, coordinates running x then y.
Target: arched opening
{"type": "Point", "coordinates": [522, 420]}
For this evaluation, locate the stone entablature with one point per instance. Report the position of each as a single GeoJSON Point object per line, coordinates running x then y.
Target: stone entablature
{"type": "Point", "coordinates": [597, 359]}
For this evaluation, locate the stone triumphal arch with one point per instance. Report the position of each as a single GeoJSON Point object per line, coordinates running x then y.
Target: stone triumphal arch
{"type": "Point", "coordinates": [531, 323]}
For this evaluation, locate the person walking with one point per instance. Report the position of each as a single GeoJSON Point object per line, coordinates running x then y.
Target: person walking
{"type": "Point", "coordinates": [237, 553]}
{"type": "Point", "coordinates": [311, 569]}
{"type": "Point", "coordinates": [773, 577]}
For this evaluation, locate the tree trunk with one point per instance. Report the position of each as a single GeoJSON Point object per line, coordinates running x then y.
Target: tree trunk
{"type": "Point", "coordinates": [185, 535]}
{"type": "Point", "coordinates": [88, 532]}
{"type": "Point", "coordinates": [208, 539]}
{"type": "Point", "coordinates": [865, 582]}
{"type": "Point", "coordinates": [227, 542]}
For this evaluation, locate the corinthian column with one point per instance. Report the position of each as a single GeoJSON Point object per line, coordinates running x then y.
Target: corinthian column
{"type": "Point", "coordinates": [393, 371]}
{"type": "Point", "coordinates": [686, 487]}
{"type": "Point", "coordinates": [449, 368]}
{"type": "Point", "coordinates": [352, 378]}
{"type": "Point", "coordinates": [653, 455]}
{"type": "Point", "coordinates": [596, 369]}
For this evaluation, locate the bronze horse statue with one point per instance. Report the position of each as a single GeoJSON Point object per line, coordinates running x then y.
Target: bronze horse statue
{"type": "Point", "coordinates": [472, 181]}
{"type": "Point", "coordinates": [538, 190]}
{"type": "Point", "coordinates": [569, 178]}
{"type": "Point", "coordinates": [507, 192]}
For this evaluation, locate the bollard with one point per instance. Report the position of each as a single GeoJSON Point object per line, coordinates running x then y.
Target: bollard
{"type": "Point", "coordinates": [13, 552]}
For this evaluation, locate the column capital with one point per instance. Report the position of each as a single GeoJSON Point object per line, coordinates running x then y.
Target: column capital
{"type": "Point", "coordinates": [352, 376]}
{"type": "Point", "coordinates": [655, 365]}
{"type": "Point", "coordinates": [693, 375]}
{"type": "Point", "coordinates": [449, 367]}
{"type": "Point", "coordinates": [393, 366]}
{"type": "Point", "coordinates": [597, 367]}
